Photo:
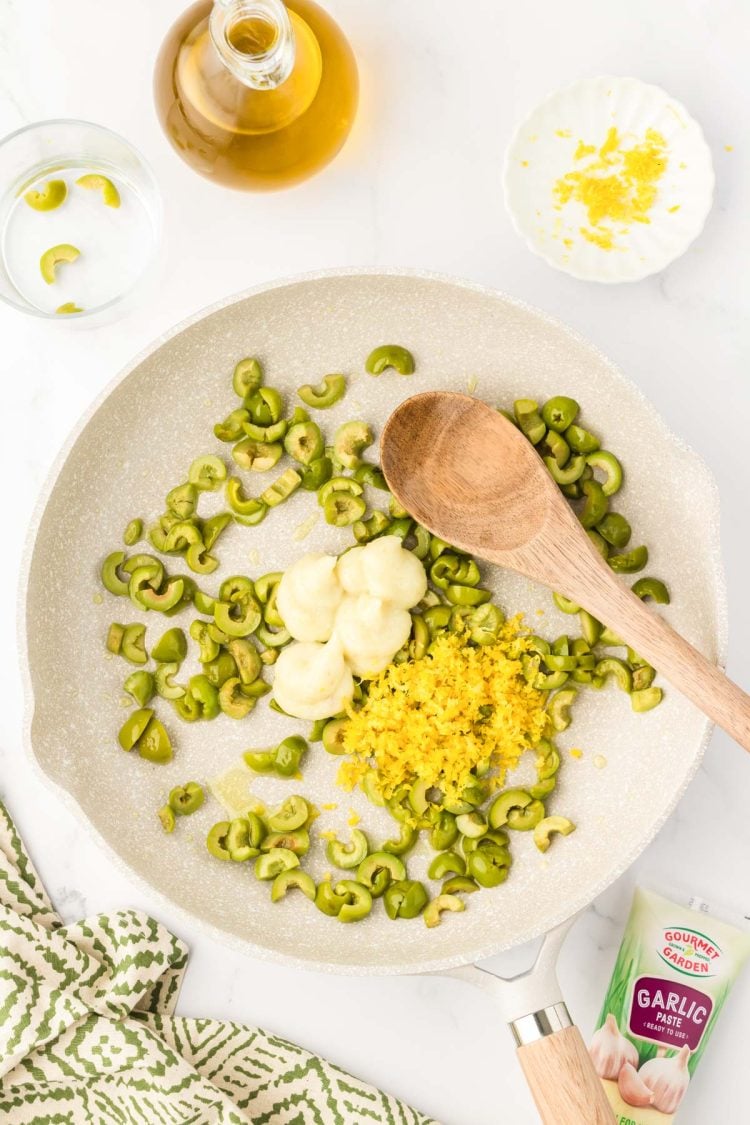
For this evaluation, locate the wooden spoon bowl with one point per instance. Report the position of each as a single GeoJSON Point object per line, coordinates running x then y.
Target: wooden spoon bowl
{"type": "Point", "coordinates": [471, 477]}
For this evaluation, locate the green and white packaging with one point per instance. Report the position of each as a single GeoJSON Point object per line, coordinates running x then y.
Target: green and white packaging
{"type": "Point", "coordinates": [675, 969]}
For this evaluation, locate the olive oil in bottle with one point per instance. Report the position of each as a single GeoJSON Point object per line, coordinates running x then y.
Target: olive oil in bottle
{"type": "Point", "coordinates": [256, 94]}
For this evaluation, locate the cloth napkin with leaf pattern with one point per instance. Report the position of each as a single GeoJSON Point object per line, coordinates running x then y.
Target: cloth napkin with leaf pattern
{"type": "Point", "coordinates": [88, 1031]}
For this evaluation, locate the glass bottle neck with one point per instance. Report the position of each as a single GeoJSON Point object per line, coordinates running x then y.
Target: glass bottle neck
{"type": "Point", "coordinates": [255, 40]}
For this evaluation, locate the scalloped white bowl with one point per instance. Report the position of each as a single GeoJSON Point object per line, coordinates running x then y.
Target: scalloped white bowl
{"type": "Point", "coordinates": [542, 151]}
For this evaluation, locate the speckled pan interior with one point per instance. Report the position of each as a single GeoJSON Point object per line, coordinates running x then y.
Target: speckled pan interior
{"type": "Point", "coordinates": [138, 441]}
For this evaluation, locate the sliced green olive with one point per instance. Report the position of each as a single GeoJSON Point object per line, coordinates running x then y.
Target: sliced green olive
{"type": "Point", "coordinates": [447, 863]}
{"type": "Point", "coordinates": [613, 666]}
{"type": "Point", "coordinates": [507, 801]}
{"type": "Point", "coordinates": [247, 377]}
{"type": "Point", "coordinates": [317, 473]}
{"type": "Point", "coordinates": [203, 692]}
{"type": "Point", "coordinates": [233, 701]}
{"type": "Point", "coordinates": [286, 880]}
{"type": "Point", "coordinates": [239, 842]}
{"type": "Point", "coordinates": [133, 727]}
{"type": "Point", "coordinates": [379, 870]}
{"type": "Point", "coordinates": [350, 441]}
{"type": "Point", "coordinates": [580, 440]}
{"type": "Point", "coordinates": [304, 442]}
{"type": "Point", "coordinates": [326, 393]}
{"type": "Point", "coordinates": [405, 898]}
{"type": "Point", "coordinates": [207, 473]}
{"type": "Point", "coordinates": [165, 685]}
{"type": "Point", "coordinates": [444, 831]}
{"type": "Point", "coordinates": [272, 863]}
{"type": "Point", "coordinates": [182, 500]}
{"type": "Point", "coordinates": [133, 646]}
{"type": "Point", "coordinates": [560, 412]}
{"type": "Point", "coordinates": [297, 841]}
{"type": "Point", "coordinates": [257, 456]}
{"type": "Point", "coordinates": [348, 855]}
{"type": "Point", "coordinates": [471, 824]}
{"type": "Point", "coordinates": [558, 708]}
{"type": "Point", "coordinates": [171, 648]}
{"type": "Point", "coordinates": [282, 488]}
{"type": "Point", "coordinates": [132, 533]}
{"type": "Point", "coordinates": [246, 658]}
{"type": "Point", "coordinates": [288, 755]}
{"type": "Point", "coordinates": [292, 813]}
{"type": "Point", "coordinates": [240, 503]}
{"type": "Point", "coordinates": [115, 634]}
{"type": "Point", "coordinates": [212, 528]}
{"type": "Point", "coordinates": [94, 181]}
{"type": "Point", "coordinates": [635, 560]}
{"type": "Point", "coordinates": [459, 885]}
{"type": "Point", "coordinates": [438, 906]}
{"type": "Point", "coordinates": [405, 842]}
{"type": "Point", "coordinates": [608, 464]}
{"type": "Point", "coordinates": [372, 789]}
{"type": "Point", "coordinates": [357, 901]}
{"type": "Point", "coordinates": [529, 420]}
{"type": "Point", "coordinates": [595, 503]}
{"type": "Point", "coordinates": [166, 818]}
{"type": "Point", "coordinates": [186, 799]}
{"type": "Point", "coordinates": [266, 406]}
{"type": "Point", "coordinates": [216, 840]}
{"type": "Point", "coordinates": [341, 509]}
{"type": "Point", "coordinates": [51, 195]}
{"type": "Point", "coordinates": [110, 574]}
{"type": "Point", "coordinates": [140, 685]}
{"type": "Point", "coordinates": [266, 435]}
{"type": "Point", "coordinates": [653, 589]}
{"type": "Point", "coordinates": [524, 819]}
{"type": "Point", "coordinates": [643, 677]}
{"type": "Point", "coordinates": [328, 901]}
{"type": "Point", "coordinates": [238, 619]}
{"type": "Point", "coordinates": [646, 699]}
{"type": "Point", "coordinates": [339, 484]}
{"type": "Point", "coordinates": [232, 428]}
{"type": "Point", "coordinates": [163, 600]}
{"type": "Point", "coordinates": [389, 355]}
{"type": "Point", "coordinates": [204, 603]}
{"type": "Point", "coordinates": [154, 744]}
{"type": "Point", "coordinates": [549, 825]}
{"type": "Point", "coordinates": [53, 257]}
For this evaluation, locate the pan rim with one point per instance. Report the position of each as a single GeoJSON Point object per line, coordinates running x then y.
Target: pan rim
{"type": "Point", "coordinates": [187, 917]}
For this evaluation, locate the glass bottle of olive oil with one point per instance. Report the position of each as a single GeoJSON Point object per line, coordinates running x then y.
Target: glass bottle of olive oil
{"type": "Point", "coordinates": [256, 94]}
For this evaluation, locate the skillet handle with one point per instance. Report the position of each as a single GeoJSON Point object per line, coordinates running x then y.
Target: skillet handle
{"type": "Point", "coordinates": [559, 1070]}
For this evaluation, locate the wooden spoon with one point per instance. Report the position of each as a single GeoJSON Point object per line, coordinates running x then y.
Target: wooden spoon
{"type": "Point", "coordinates": [468, 475]}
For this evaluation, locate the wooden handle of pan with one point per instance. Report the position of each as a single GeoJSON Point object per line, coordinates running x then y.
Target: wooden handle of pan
{"type": "Point", "coordinates": [562, 1079]}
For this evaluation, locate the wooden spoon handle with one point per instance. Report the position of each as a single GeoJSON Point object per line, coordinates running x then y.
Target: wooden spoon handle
{"type": "Point", "coordinates": [563, 1081]}
{"type": "Point", "coordinates": [702, 682]}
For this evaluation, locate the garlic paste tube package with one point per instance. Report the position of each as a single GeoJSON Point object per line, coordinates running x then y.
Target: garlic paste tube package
{"type": "Point", "coordinates": [675, 969]}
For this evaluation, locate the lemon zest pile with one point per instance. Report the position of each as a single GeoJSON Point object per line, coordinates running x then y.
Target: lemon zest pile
{"type": "Point", "coordinates": [616, 184]}
{"type": "Point", "coordinates": [435, 719]}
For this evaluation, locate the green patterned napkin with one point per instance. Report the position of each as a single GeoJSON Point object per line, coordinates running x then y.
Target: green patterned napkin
{"type": "Point", "coordinates": [88, 1034]}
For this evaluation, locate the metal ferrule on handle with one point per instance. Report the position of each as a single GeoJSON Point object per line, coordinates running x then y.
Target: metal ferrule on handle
{"type": "Point", "coordinates": [537, 1025]}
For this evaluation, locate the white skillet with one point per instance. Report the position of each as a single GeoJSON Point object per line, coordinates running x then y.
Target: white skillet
{"type": "Point", "coordinates": [137, 440]}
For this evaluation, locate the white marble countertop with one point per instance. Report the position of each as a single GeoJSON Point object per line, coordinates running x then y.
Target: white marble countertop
{"type": "Point", "coordinates": [418, 185]}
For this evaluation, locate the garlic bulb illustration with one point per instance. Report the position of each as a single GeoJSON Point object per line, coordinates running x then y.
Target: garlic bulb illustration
{"type": "Point", "coordinates": [668, 1079]}
{"type": "Point", "coordinates": [632, 1088]}
{"type": "Point", "coordinates": [610, 1050]}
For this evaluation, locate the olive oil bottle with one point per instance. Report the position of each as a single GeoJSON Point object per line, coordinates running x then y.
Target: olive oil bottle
{"type": "Point", "coordinates": [256, 94]}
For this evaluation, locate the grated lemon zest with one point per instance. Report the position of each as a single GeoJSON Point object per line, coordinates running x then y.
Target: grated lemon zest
{"type": "Point", "coordinates": [435, 719]}
{"type": "Point", "coordinates": [616, 184]}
